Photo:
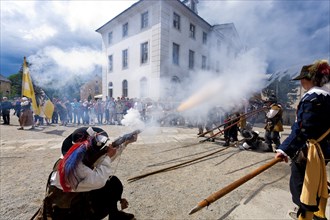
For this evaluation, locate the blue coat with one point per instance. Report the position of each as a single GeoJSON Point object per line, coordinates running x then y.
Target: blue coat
{"type": "Point", "coordinates": [313, 120]}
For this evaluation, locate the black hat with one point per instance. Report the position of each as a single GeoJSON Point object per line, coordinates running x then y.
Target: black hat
{"type": "Point", "coordinates": [305, 73]}
{"type": "Point", "coordinates": [79, 135]}
{"type": "Point", "coordinates": [271, 99]}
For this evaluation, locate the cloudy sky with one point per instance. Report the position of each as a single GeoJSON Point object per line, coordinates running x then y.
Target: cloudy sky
{"type": "Point", "coordinates": [288, 32]}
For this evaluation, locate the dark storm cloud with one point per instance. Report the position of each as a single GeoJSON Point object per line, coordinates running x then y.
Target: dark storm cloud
{"type": "Point", "coordinates": [287, 32]}
{"type": "Point", "coordinates": [31, 26]}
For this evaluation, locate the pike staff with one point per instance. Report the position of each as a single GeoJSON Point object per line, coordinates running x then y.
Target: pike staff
{"type": "Point", "coordinates": [248, 114]}
{"type": "Point", "coordinates": [221, 131]}
{"type": "Point", "coordinates": [217, 195]}
{"type": "Point", "coordinates": [173, 167]}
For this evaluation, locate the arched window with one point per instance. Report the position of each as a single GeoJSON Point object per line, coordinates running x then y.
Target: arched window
{"type": "Point", "coordinates": [125, 88]}
{"type": "Point", "coordinates": [110, 89]}
{"type": "Point", "coordinates": [143, 87]}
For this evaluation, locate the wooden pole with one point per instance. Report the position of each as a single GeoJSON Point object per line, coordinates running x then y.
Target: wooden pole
{"type": "Point", "coordinates": [248, 114]}
{"type": "Point", "coordinates": [172, 167]}
{"type": "Point", "coordinates": [221, 131]}
{"type": "Point", "coordinates": [220, 193]}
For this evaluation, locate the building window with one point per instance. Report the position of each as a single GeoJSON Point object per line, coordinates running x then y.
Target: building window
{"type": "Point", "coordinates": [110, 89]}
{"type": "Point", "coordinates": [191, 59]}
{"type": "Point", "coordinates": [110, 65]}
{"type": "Point", "coordinates": [125, 59]}
{"type": "Point", "coordinates": [144, 20]}
{"type": "Point", "coordinates": [96, 89]}
{"type": "Point", "coordinates": [143, 87]}
{"type": "Point", "coordinates": [110, 37]}
{"type": "Point", "coordinates": [125, 29]}
{"type": "Point", "coordinates": [203, 62]}
{"type": "Point", "coordinates": [125, 88]}
{"type": "Point", "coordinates": [192, 30]}
{"type": "Point", "coordinates": [175, 55]}
{"type": "Point", "coordinates": [144, 52]}
{"type": "Point", "coordinates": [176, 21]}
{"type": "Point", "coordinates": [204, 38]}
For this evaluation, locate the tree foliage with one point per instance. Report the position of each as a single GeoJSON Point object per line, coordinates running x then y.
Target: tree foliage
{"type": "Point", "coordinates": [16, 84]}
{"type": "Point", "coordinates": [71, 90]}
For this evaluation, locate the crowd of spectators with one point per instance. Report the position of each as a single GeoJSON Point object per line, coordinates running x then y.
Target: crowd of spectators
{"type": "Point", "coordinates": [111, 111]}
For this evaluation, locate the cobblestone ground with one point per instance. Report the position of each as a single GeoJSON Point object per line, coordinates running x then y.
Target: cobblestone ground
{"type": "Point", "coordinates": [26, 159]}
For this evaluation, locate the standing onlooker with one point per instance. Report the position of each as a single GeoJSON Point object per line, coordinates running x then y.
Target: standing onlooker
{"type": "Point", "coordinates": [92, 112]}
{"type": "Point", "coordinates": [80, 112]}
{"type": "Point", "coordinates": [107, 111]}
{"type": "Point", "coordinates": [99, 110]}
{"type": "Point", "coordinates": [68, 107]}
{"type": "Point", "coordinates": [75, 111]}
{"type": "Point", "coordinates": [5, 110]}
{"type": "Point", "coordinates": [17, 107]}
{"type": "Point", "coordinates": [120, 109]}
{"type": "Point", "coordinates": [112, 111]}
{"type": "Point", "coordinates": [85, 112]}
{"type": "Point", "coordinates": [62, 111]}
{"type": "Point", "coordinates": [55, 112]}
{"type": "Point", "coordinates": [274, 124]}
{"type": "Point", "coordinates": [26, 116]}
{"type": "Point", "coordinates": [308, 190]}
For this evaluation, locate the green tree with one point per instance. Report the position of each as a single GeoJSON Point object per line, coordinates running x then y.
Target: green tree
{"type": "Point", "coordinates": [71, 89]}
{"type": "Point", "coordinates": [16, 84]}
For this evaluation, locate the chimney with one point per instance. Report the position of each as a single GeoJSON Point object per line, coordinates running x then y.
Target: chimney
{"type": "Point", "coordinates": [192, 4]}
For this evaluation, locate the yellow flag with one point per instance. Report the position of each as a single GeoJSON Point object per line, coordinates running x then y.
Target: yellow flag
{"type": "Point", "coordinates": [41, 104]}
{"type": "Point", "coordinates": [27, 88]}
{"type": "Point", "coordinates": [47, 108]}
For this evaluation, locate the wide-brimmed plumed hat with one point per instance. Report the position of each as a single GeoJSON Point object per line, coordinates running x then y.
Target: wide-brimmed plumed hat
{"type": "Point", "coordinates": [309, 71]}
{"type": "Point", "coordinates": [79, 135]}
{"type": "Point", "coordinates": [304, 73]}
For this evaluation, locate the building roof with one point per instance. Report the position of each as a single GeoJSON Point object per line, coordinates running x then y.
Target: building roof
{"type": "Point", "coordinates": [4, 79]}
{"type": "Point", "coordinates": [135, 4]}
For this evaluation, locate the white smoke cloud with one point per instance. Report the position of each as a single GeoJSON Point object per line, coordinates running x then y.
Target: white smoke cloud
{"type": "Point", "coordinates": [53, 64]}
{"type": "Point", "coordinates": [133, 120]}
{"type": "Point", "coordinates": [241, 77]}
{"type": "Point", "coordinates": [288, 32]}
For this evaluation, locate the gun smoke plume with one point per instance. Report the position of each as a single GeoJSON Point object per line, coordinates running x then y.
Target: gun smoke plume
{"type": "Point", "coordinates": [133, 119]}
{"type": "Point", "coordinates": [54, 67]}
{"type": "Point", "coordinates": [240, 79]}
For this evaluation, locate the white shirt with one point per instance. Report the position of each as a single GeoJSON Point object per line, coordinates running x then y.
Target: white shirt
{"type": "Point", "coordinates": [91, 179]}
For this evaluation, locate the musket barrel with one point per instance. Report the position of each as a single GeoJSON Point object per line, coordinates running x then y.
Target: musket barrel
{"type": "Point", "coordinates": [220, 193]}
{"type": "Point", "coordinates": [248, 114]}
{"type": "Point", "coordinates": [174, 166]}
{"type": "Point", "coordinates": [221, 131]}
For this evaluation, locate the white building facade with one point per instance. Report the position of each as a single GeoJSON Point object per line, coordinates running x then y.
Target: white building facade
{"type": "Point", "coordinates": [154, 47]}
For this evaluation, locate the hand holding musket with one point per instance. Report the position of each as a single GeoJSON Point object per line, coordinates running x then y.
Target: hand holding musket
{"type": "Point", "coordinates": [111, 149]}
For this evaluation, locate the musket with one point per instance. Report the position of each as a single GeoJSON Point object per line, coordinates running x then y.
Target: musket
{"type": "Point", "coordinates": [238, 117]}
{"type": "Point", "coordinates": [89, 160]}
{"type": "Point", "coordinates": [221, 131]}
{"type": "Point", "coordinates": [222, 192]}
{"type": "Point", "coordinates": [173, 167]}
